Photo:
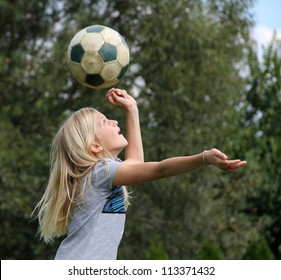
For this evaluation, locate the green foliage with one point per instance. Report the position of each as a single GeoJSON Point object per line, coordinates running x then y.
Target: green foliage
{"type": "Point", "coordinates": [156, 251]}
{"type": "Point", "coordinates": [209, 251]}
{"type": "Point", "coordinates": [184, 72]}
{"type": "Point", "coordinates": [258, 250]}
{"type": "Point", "coordinates": [261, 123]}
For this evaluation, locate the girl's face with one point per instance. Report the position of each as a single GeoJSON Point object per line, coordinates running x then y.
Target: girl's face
{"type": "Point", "coordinates": [109, 135]}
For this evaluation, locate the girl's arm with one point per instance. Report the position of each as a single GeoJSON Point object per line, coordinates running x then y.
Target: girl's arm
{"type": "Point", "coordinates": [137, 173]}
{"type": "Point", "coordinates": [134, 150]}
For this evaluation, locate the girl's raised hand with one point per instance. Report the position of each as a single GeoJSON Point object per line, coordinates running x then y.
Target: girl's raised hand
{"type": "Point", "coordinates": [120, 98]}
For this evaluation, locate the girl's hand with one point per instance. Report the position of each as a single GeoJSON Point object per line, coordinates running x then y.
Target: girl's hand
{"type": "Point", "coordinates": [220, 160]}
{"type": "Point", "coordinates": [120, 98]}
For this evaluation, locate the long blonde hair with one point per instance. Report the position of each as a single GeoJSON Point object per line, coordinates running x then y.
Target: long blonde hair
{"type": "Point", "coordinates": [70, 163]}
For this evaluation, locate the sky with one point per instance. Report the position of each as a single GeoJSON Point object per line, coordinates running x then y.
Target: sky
{"type": "Point", "coordinates": [267, 17]}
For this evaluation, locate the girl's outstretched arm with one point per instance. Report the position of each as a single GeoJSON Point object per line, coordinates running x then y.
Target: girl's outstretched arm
{"type": "Point", "coordinates": [120, 98]}
{"type": "Point", "coordinates": [137, 173]}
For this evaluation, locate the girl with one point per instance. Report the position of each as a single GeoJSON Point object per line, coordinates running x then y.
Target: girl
{"type": "Point", "coordinates": [85, 197]}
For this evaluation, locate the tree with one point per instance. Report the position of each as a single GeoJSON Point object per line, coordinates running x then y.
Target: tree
{"type": "Point", "coordinates": [184, 73]}
{"type": "Point", "coordinates": [261, 119]}
{"type": "Point", "coordinates": [189, 85]}
{"type": "Point", "coordinates": [209, 252]}
{"type": "Point", "coordinates": [258, 250]}
{"type": "Point", "coordinates": [25, 29]}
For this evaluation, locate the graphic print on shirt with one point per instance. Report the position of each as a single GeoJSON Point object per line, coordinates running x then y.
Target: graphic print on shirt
{"type": "Point", "coordinates": [115, 202]}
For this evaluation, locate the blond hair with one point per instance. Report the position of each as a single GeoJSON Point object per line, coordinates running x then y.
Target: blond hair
{"type": "Point", "coordinates": [70, 164]}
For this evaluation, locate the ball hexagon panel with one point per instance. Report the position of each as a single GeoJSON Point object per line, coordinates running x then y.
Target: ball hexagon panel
{"type": "Point", "coordinates": [111, 71]}
{"type": "Point", "coordinates": [78, 37]}
{"type": "Point", "coordinates": [92, 62]}
{"type": "Point", "coordinates": [123, 71]}
{"type": "Point", "coordinates": [77, 70]}
{"type": "Point", "coordinates": [111, 36]}
{"type": "Point", "coordinates": [124, 42]}
{"type": "Point", "coordinates": [92, 42]}
{"type": "Point", "coordinates": [109, 84]}
{"type": "Point", "coordinates": [123, 55]}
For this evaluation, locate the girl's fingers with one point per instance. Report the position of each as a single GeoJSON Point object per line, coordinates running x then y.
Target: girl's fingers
{"type": "Point", "coordinates": [110, 91]}
{"type": "Point", "coordinates": [232, 165]}
{"type": "Point", "coordinates": [222, 156]}
{"type": "Point", "coordinates": [233, 162]}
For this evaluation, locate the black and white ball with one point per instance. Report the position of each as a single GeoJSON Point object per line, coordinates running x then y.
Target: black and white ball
{"type": "Point", "coordinates": [98, 57]}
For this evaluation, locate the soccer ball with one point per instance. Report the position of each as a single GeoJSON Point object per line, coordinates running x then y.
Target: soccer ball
{"type": "Point", "coordinates": [98, 56]}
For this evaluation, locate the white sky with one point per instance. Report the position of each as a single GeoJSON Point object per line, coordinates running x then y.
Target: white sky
{"type": "Point", "coordinates": [267, 15]}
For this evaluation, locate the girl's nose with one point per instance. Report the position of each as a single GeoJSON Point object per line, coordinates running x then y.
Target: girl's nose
{"type": "Point", "coordinates": [115, 123]}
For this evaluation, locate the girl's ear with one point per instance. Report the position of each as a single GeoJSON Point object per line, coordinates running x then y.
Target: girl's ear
{"type": "Point", "coordinates": [96, 148]}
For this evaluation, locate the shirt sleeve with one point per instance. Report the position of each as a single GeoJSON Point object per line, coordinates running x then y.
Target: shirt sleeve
{"type": "Point", "coordinates": [103, 173]}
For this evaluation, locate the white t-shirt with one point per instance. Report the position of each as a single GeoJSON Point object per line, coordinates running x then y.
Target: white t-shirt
{"type": "Point", "coordinates": [97, 225]}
